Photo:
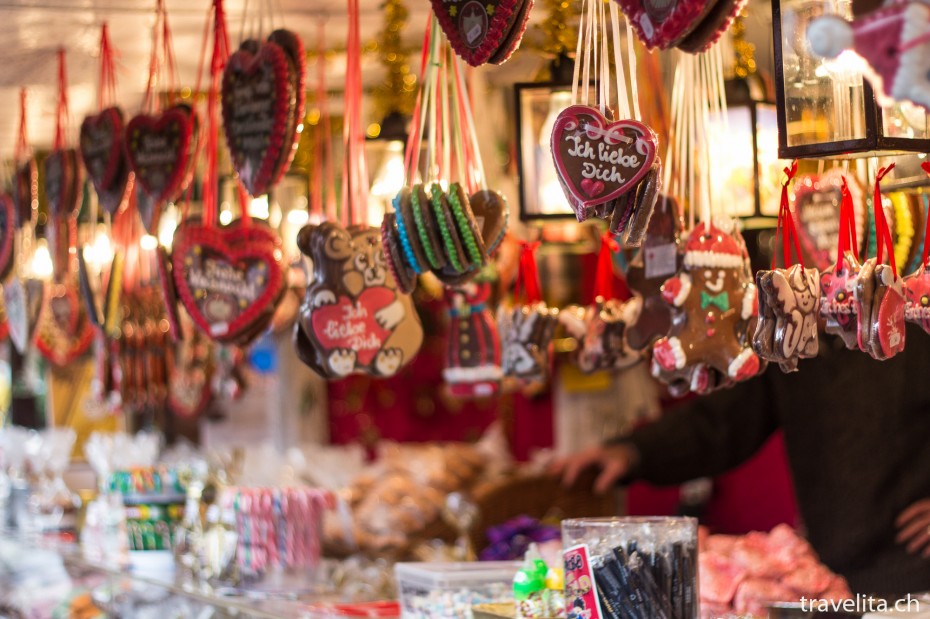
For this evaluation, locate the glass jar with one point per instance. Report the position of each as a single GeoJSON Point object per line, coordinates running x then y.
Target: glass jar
{"type": "Point", "coordinates": [631, 567]}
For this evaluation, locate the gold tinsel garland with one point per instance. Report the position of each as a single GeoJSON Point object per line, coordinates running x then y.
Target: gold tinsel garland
{"type": "Point", "coordinates": [397, 93]}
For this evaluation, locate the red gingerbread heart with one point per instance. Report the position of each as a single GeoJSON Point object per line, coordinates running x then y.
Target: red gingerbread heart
{"type": "Point", "coordinates": [64, 333]}
{"type": "Point", "coordinates": [352, 325]}
{"type": "Point", "coordinates": [599, 161]}
{"type": "Point", "coordinates": [257, 101]}
{"type": "Point", "coordinates": [477, 29]}
{"type": "Point", "coordinates": [101, 145]}
{"type": "Point", "coordinates": [229, 279]}
{"type": "Point", "coordinates": [7, 229]}
{"type": "Point", "coordinates": [63, 182]}
{"type": "Point", "coordinates": [917, 289]}
{"type": "Point", "coordinates": [26, 193]}
{"type": "Point", "coordinates": [665, 23]}
{"type": "Point", "coordinates": [160, 151]}
{"type": "Point", "coordinates": [816, 202]}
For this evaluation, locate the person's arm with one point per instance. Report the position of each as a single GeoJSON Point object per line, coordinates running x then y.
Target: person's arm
{"type": "Point", "coordinates": [705, 437]}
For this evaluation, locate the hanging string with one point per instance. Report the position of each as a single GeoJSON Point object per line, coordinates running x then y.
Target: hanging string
{"type": "Point", "coordinates": [604, 275]}
{"type": "Point", "coordinates": [21, 149]}
{"type": "Point", "coordinates": [926, 251]}
{"type": "Point", "coordinates": [526, 287]}
{"type": "Point", "coordinates": [61, 125]}
{"type": "Point", "coordinates": [217, 62]}
{"type": "Point", "coordinates": [412, 150]}
{"type": "Point", "coordinates": [106, 95]}
{"type": "Point", "coordinates": [161, 62]}
{"type": "Point", "coordinates": [355, 164]}
{"type": "Point", "coordinates": [785, 223]}
{"type": "Point", "coordinates": [882, 233]}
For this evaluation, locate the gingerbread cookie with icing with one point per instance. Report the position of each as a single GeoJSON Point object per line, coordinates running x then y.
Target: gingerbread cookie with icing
{"type": "Point", "coordinates": [838, 305]}
{"type": "Point", "coordinates": [917, 291]}
{"type": "Point", "coordinates": [601, 333]}
{"type": "Point", "coordinates": [880, 302]}
{"type": "Point", "coordinates": [788, 308]}
{"type": "Point", "coordinates": [354, 319]}
{"type": "Point", "coordinates": [526, 334]}
{"type": "Point", "coordinates": [712, 301]}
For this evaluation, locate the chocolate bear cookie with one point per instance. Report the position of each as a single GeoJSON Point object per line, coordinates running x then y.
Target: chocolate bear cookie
{"type": "Point", "coordinates": [526, 333]}
{"type": "Point", "coordinates": [600, 330]}
{"type": "Point", "coordinates": [788, 307]}
{"type": "Point", "coordinates": [353, 319]}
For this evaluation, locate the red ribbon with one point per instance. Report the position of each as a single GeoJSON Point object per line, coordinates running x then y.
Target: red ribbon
{"type": "Point", "coordinates": [848, 239]}
{"type": "Point", "coordinates": [786, 223]}
{"type": "Point", "coordinates": [61, 123]}
{"type": "Point", "coordinates": [355, 164]}
{"type": "Point", "coordinates": [883, 238]}
{"type": "Point", "coordinates": [217, 63]}
{"type": "Point", "coordinates": [106, 96]}
{"type": "Point", "coordinates": [926, 167]}
{"type": "Point", "coordinates": [604, 275]}
{"type": "Point", "coordinates": [22, 142]}
{"type": "Point", "coordinates": [161, 60]}
{"type": "Point", "coordinates": [412, 151]}
{"type": "Point", "coordinates": [526, 288]}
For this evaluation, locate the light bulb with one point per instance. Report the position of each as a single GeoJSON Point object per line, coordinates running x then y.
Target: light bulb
{"type": "Point", "coordinates": [226, 218]}
{"type": "Point", "coordinates": [389, 179]}
{"type": "Point", "coordinates": [41, 266]}
{"type": "Point", "coordinates": [148, 242]}
{"type": "Point", "coordinates": [258, 207]}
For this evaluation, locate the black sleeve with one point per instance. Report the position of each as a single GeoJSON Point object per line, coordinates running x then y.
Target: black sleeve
{"type": "Point", "coordinates": [706, 436]}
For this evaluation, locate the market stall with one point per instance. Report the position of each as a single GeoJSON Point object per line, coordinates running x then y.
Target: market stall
{"type": "Point", "coordinates": [597, 309]}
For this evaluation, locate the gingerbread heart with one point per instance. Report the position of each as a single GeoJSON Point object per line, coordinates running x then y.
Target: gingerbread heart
{"type": "Point", "coordinates": [491, 213]}
{"type": "Point", "coordinates": [598, 161]}
{"type": "Point", "coordinates": [353, 320]}
{"type": "Point", "coordinates": [917, 291]}
{"type": "Point", "coordinates": [26, 193]}
{"type": "Point", "coordinates": [7, 233]}
{"type": "Point", "coordinates": [64, 333]}
{"type": "Point", "coordinates": [101, 144]}
{"type": "Point", "coordinates": [665, 23]}
{"type": "Point", "coordinates": [229, 279]}
{"type": "Point", "coordinates": [160, 152]}
{"type": "Point", "coordinates": [62, 182]}
{"type": "Point", "coordinates": [256, 109]}
{"type": "Point", "coordinates": [816, 202]}
{"type": "Point", "coordinates": [477, 29]}
{"type": "Point", "coordinates": [23, 302]}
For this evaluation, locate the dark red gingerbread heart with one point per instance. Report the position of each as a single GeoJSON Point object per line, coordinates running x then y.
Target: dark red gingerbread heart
{"type": "Point", "coordinates": [63, 182]}
{"type": "Point", "coordinates": [597, 160]}
{"type": "Point", "coordinates": [160, 151]}
{"type": "Point", "coordinates": [665, 23]}
{"type": "Point", "coordinates": [101, 144]}
{"type": "Point", "coordinates": [229, 279]}
{"type": "Point", "coordinates": [256, 112]}
{"type": "Point", "coordinates": [26, 192]}
{"type": "Point", "coordinates": [477, 29]}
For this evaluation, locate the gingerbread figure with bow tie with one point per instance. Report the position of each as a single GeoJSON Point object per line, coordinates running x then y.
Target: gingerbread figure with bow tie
{"type": "Point", "coordinates": [713, 300]}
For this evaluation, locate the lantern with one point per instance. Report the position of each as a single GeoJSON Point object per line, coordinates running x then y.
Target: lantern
{"type": "Point", "coordinates": [825, 107]}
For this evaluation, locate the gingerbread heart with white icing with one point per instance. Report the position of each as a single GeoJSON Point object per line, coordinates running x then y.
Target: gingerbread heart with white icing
{"type": "Point", "coordinates": [917, 292]}
{"type": "Point", "coordinates": [257, 102]}
{"type": "Point", "coordinates": [228, 278]}
{"type": "Point", "coordinates": [102, 150]}
{"type": "Point", "coordinates": [597, 160]}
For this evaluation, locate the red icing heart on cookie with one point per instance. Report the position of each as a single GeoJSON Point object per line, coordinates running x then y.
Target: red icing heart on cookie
{"type": "Point", "coordinates": [101, 145]}
{"type": "Point", "coordinates": [7, 228]}
{"type": "Point", "coordinates": [599, 161]}
{"type": "Point", "coordinates": [256, 107]}
{"type": "Point", "coordinates": [352, 325]}
{"type": "Point", "coordinates": [229, 279]}
{"type": "Point", "coordinates": [476, 29]}
{"type": "Point", "coordinates": [159, 149]}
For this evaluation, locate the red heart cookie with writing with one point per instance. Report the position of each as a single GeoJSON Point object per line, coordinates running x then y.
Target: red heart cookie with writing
{"type": "Point", "coordinates": [476, 29]}
{"type": "Point", "coordinates": [101, 144]}
{"type": "Point", "coordinates": [917, 291]}
{"type": "Point", "coordinates": [26, 193]}
{"type": "Point", "coordinates": [665, 23]}
{"type": "Point", "coordinates": [229, 279]}
{"type": "Point", "coordinates": [256, 111]}
{"type": "Point", "coordinates": [23, 302]}
{"type": "Point", "coordinates": [7, 232]}
{"type": "Point", "coordinates": [63, 182]}
{"type": "Point", "coordinates": [64, 333]}
{"type": "Point", "coordinates": [598, 161]}
{"type": "Point", "coordinates": [160, 151]}
{"type": "Point", "coordinates": [351, 325]}
{"type": "Point", "coordinates": [816, 206]}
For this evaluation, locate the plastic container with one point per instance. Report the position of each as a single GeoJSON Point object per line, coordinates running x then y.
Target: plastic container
{"type": "Point", "coordinates": [649, 564]}
{"type": "Point", "coordinates": [449, 590]}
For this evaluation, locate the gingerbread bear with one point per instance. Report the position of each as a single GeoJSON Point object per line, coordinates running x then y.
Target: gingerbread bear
{"type": "Point", "coordinates": [353, 319]}
{"type": "Point", "coordinates": [713, 300]}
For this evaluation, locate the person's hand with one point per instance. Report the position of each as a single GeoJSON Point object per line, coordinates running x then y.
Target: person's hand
{"type": "Point", "coordinates": [914, 528]}
{"type": "Point", "coordinates": [614, 462]}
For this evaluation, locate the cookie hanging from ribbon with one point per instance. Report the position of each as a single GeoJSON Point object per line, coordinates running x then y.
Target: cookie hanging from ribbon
{"type": "Point", "coordinates": [473, 347]}
{"type": "Point", "coordinates": [483, 31]}
{"type": "Point", "coordinates": [838, 305]}
{"type": "Point", "coordinates": [713, 304]}
{"type": "Point", "coordinates": [354, 319]}
{"type": "Point", "coordinates": [917, 284]}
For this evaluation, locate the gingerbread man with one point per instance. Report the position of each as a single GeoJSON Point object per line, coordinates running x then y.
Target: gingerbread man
{"type": "Point", "coordinates": [712, 301]}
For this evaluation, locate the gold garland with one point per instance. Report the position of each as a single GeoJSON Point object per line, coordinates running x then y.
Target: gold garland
{"type": "Point", "coordinates": [744, 63]}
{"type": "Point", "coordinates": [558, 30]}
{"type": "Point", "coordinates": [397, 93]}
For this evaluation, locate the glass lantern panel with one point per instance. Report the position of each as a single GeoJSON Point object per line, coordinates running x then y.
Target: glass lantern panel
{"type": "Point", "coordinates": [823, 98]}
{"type": "Point", "coordinates": [770, 166]}
{"type": "Point", "coordinates": [906, 120]}
{"type": "Point", "coordinates": [732, 152]}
